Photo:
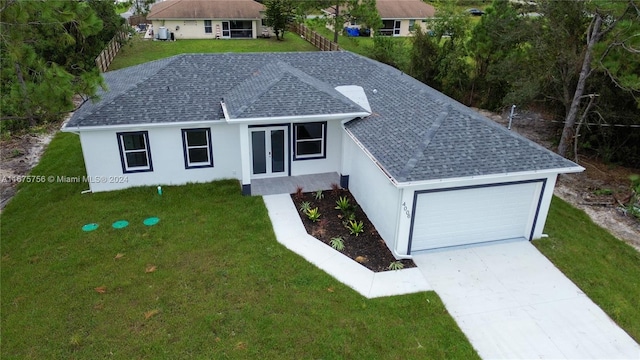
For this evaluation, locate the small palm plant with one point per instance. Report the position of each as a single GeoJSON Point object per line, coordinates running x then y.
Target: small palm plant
{"type": "Point", "coordinates": [355, 227]}
{"type": "Point", "coordinates": [313, 214]}
{"type": "Point", "coordinates": [305, 206]}
{"type": "Point", "coordinates": [337, 243]}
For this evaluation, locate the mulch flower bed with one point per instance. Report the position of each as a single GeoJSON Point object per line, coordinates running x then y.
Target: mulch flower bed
{"type": "Point", "coordinates": [368, 248]}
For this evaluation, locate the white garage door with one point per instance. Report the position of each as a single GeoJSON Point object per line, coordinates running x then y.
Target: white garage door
{"type": "Point", "coordinates": [462, 216]}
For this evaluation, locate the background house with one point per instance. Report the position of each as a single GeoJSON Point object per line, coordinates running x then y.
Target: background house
{"type": "Point", "coordinates": [399, 18]}
{"type": "Point", "coordinates": [428, 171]}
{"type": "Point", "coordinates": [209, 19]}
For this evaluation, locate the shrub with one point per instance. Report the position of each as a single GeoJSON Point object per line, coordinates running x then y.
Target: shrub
{"type": "Point", "coordinates": [337, 243]}
{"type": "Point", "coordinates": [305, 206]}
{"type": "Point", "coordinates": [355, 227]}
{"type": "Point", "coordinates": [343, 204]}
{"type": "Point", "coordinates": [335, 188]}
{"type": "Point", "coordinates": [313, 214]}
{"type": "Point", "coordinates": [319, 195]}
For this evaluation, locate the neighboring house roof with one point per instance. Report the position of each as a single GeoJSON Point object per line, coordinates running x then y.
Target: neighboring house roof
{"type": "Point", "coordinates": [414, 132]}
{"type": "Point", "coordinates": [206, 9]}
{"type": "Point", "coordinates": [404, 9]}
{"type": "Point", "coordinates": [397, 9]}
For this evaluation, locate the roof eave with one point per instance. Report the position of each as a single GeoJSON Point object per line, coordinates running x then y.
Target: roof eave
{"type": "Point", "coordinates": [79, 129]}
{"type": "Point", "coordinates": [566, 170]}
{"type": "Point", "coordinates": [297, 118]}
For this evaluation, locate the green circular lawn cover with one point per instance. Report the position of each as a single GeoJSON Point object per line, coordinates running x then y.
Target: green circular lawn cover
{"type": "Point", "coordinates": [120, 224]}
{"type": "Point", "coordinates": [89, 227]}
{"type": "Point", "coordinates": [151, 221]}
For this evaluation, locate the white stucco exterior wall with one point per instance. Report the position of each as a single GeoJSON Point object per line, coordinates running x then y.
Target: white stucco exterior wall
{"type": "Point", "coordinates": [377, 196]}
{"type": "Point", "coordinates": [102, 158]}
{"type": "Point", "coordinates": [404, 26]}
{"type": "Point", "coordinates": [194, 28]}
{"type": "Point", "coordinates": [333, 151]}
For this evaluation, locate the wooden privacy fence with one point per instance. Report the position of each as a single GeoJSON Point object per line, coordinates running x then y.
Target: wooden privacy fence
{"type": "Point", "coordinates": [110, 51]}
{"type": "Point", "coordinates": [314, 38]}
{"type": "Point", "coordinates": [135, 20]}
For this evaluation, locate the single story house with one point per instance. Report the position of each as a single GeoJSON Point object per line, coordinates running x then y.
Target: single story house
{"type": "Point", "coordinates": [209, 19]}
{"type": "Point", "coordinates": [399, 17]}
{"type": "Point", "coordinates": [428, 171]}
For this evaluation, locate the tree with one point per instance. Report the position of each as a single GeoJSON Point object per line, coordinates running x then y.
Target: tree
{"type": "Point", "coordinates": [495, 45]}
{"type": "Point", "coordinates": [142, 7]}
{"type": "Point", "coordinates": [363, 11]}
{"type": "Point", "coordinates": [609, 42]}
{"type": "Point", "coordinates": [279, 15]}
{"type": "Point", "coordinates": [423, 58]}
{"type": "Point", "coordinates": [450, 28]}
{"type": "Point", "coordinates": [42, 65]}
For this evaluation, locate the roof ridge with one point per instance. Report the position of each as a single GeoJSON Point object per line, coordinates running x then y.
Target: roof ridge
{"type": "Point", "coordinates": [273, 72]}
{"type": "Point", "coordinates": [322, 86]}
{"type": "Point", "coordinates": [426, 140]}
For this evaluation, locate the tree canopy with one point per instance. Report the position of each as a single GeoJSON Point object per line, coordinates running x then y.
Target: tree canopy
{"type": "Point", "coordinates": [279, 15]}
{"type": "Point", "coordinates": [579, 60]}
{"type": "Point", "coordinates": [47, 53]}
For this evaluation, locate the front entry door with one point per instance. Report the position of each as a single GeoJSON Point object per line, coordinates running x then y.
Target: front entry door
{"type": "Point", "coordinates": [269, 155]}
{"type": "Point", "coordinates": [226, 32]}
{"type": "Point", "coordinates": [396, 27]}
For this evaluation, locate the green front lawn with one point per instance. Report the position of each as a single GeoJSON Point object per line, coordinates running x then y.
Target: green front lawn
{"type": "Point", "coordinates": [143, 50]}
{"type": "Point", "coordinates": [605, 268]}
{"type": "Point", "coordinates": [209, 281]}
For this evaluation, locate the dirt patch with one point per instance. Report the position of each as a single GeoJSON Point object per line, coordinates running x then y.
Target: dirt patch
{"type": "Point", "coordinates": [18, 156]}
{"type": "Point", "coordinates": [598, 191]}
{"type": "Point", "coordinates": [367, 248]}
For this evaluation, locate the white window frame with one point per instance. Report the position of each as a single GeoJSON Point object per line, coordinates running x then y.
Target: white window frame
{"type": "Point", "coordinates": [208, 27]}
{"type": "Point", "coordinates": [123, 152]}
{"type": "Point", "coordinates": [322, 139]}
{"type": "Point", "coordinates": [186, 147]}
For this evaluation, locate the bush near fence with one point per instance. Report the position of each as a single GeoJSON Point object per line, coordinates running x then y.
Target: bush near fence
{"type": "Point", "coordinates": [314, 38]}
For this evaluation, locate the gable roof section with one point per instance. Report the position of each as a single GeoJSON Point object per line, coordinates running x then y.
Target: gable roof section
{"type": "Point", "coordinates": [404, 9]}
{"type": "Point", "coordinates": [206, 9]}
{"type": "Point", "coordinates": [278, 89]}
{"type": "Point", "coordinates": [414, 132]}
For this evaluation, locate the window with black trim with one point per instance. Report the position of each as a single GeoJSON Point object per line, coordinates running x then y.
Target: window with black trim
{"type": "Point", "coordinates": [310, 140]}
{"type": "Point", "coordinates": [207, 27]}
{"type": "Point", "coordinates": [135, 154]}
{"type": "Point", "coordinates": [197, 148]}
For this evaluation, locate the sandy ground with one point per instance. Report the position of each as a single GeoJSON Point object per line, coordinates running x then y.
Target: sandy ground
{"type": "Point", "coordinates": [18, 156]}
{"type": "Point", "coordinates": [21, 153]}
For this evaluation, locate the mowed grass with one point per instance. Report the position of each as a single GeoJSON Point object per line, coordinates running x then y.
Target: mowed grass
{"type": "Point", "coordinates": [605, 268]}
{"type": "Point", "coordinates": [209, 281]}
{"type": "Point", "coordinates": [140, 50]}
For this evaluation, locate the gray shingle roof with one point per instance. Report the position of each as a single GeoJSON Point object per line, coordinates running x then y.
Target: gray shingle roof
{"type": "Point", "coordinates": [414, 132]}
{"type": "Point", "coordinates": [278, 89]}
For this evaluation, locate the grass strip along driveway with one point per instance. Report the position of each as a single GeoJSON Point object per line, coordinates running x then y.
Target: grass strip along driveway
{"type": "Point", "coordinates": [605, 268]}
{"type": "Point", "coordinates": [208, 281]}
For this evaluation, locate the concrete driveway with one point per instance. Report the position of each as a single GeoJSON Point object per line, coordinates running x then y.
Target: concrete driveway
{"type": "Point", "coordinates": [513, 303]}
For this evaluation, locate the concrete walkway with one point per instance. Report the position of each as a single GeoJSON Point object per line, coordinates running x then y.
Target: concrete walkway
{"type": "Point", "coordinates": [513, 303]}
{"type": "Point", "coordinates": [510, 300]}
